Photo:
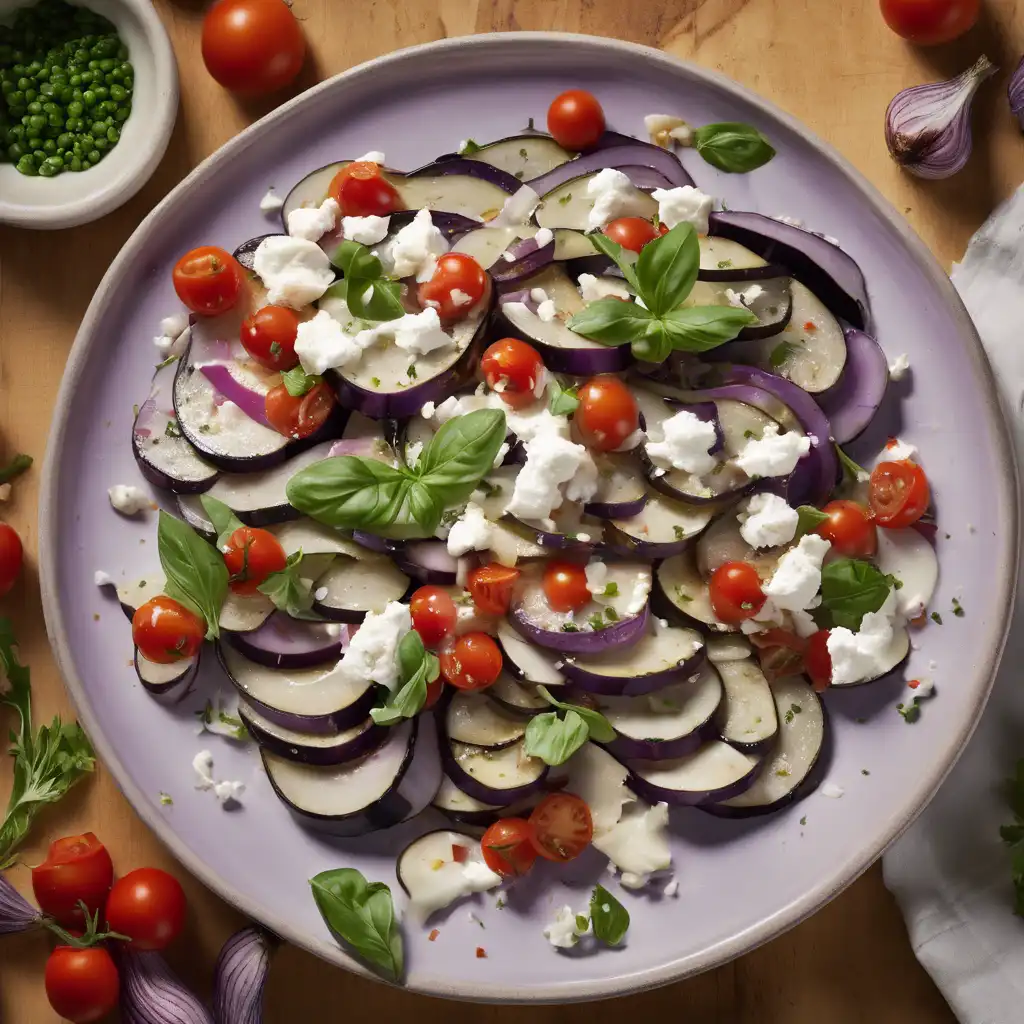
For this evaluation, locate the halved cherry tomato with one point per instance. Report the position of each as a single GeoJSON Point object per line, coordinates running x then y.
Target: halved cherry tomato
{"type": "Point", "coordinates": [301, 415]}
{"type": "Point", "coordinates": [362, 191]}
{"type": "Point", "coordinates": [208, 280]}
{"type": "Point", "coordinates": [474, 662]}
{"type": "Point", "coordinates": [631, 232]}
{"type": "Point", "coordinates": [561, 827]}
{"type": "Point", "coordinates": [252, 555]}
{"type": "Point", "coordinates": [576, 120]}
{"type": "Point", "coordinates": [11, 557]}
{"type": "Point", "coordinates": [780, 652]}
{"type": "Point", "coordinates": [565, 586]}
{"type": "Point", "coordinates": [456, 286]}
{"type": "Point", "coordinates": [269, 337]}
{"type": "Point", "coordinates": [148, 905]}
{"type": "Point", "coordinates": [898, 494]}
{"type": "Point", "coordinates": [81, 984]}
{"type": "Point", "coordinates": [736, 593]}
{"type": "Point", "coordinates": [434, 691]}
{"type": "Point", "coordinates": [433, 615]}
{"type": "Point", "coordinates": [818, 660]}
{"type": "Point", "coordinates": [166, 631]}
{"type": "Point", "coordinates": [607, 413]}
{"type": "Point", "coordinates": [491, 586]}
{"type": "Point", "coordinates": [513, 368]}
{"type": "Point", "coordinates": [507, 848]}
{"type": "Point", "coordinates": [930, 22]}
{"type": "Point", "coordinates": [76, 868]}
{"type": "Point", "coordinates": [849, 529]}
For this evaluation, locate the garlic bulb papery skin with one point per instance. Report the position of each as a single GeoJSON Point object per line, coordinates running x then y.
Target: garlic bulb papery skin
{"type": "Point", "coordinates": [1015, 93]}
{"type": "Point", "coordinates": [928, 127]}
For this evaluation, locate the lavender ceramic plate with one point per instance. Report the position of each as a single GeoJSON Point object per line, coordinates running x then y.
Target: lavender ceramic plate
{"type": "Point", "coordinates": [740, 883]}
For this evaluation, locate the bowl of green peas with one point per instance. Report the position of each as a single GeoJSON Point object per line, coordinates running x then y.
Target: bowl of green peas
{"type": "Point", "coordinates": [88, 99]}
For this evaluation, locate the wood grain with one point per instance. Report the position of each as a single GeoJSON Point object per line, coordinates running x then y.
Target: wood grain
{"type": "Point", "coordinates": [833, 65]}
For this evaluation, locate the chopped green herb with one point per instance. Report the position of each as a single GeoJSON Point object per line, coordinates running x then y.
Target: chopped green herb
{"type": "Point", "coordinates": [794, 709]}
{"type": "Point", "coordinates": [896, 584]}
{"type": "Point", "coordinates": [566, 199]}
{"type": "Point", "coordinates": [782, 773]}
{"type": "Point", "coordinates": [411, 371]}
{"type": "Point", "coordinates": [524, 154]}
{"type": "Point", "coordinates": [275, 348]}
{"type": "Point", "coordinates": [488, 489]}
{"type": "Point", "coordinates": [165, 800]}
{"type": "Point", "coordinates": [596, 621]}
{"type": "Point", "coordinates": [682, 598]}
{"type": "Point", "coordinates": [679, 532]}
{"type": "Point", "coordinates": [724, 264]}
{"type": "Point", "coordinates": [864, 771]}
{"type": "Point", "coordinates": [958, 610]}
{"type": "Point", "coordinates": [936, 618]}
{"type": "Point", "coordinates": [582, 923]}
{"type": "Point", "coordinates": [519, 175]}
{"type": "Point", "coordinates": [781, 353]}
{"type": "Point", "coordinates": [803, 820]}
{"type": "Point", "coordinates": [749, 434]}
{"type": "Point", "coordinates": [852, 473]}
{"type": "Point", "coordinates": [468, 147]}
{"type": "Point", "coordinates": [570, 627]}
{"type": "Point", "coordinates": [610, 590]}
{"type": "Point", "coordinates": [172, 429]}
{"type": "Point", "coordinates": [611, 614]}
{"type": "Point", "coordinates": [909, 712]}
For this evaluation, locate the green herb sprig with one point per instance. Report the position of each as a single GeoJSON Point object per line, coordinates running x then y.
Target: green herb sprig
{"type": "Point", "coordinates": [850, 588]}
{"type": "Point", "coordinates": [196, 574]}
{"type": "Point", "coordinates": [608, 916]}
{"type": "Point", "coordinates": [555, 738]}
{"type": "Point", "coordinates": [417, 669]}
{"type": "Point", "coordinates": [369, 293]}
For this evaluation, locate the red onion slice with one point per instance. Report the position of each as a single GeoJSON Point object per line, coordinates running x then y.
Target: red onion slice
{"type": "Point", "coordinates": [151, 993]}
{"type": "Point", "coordinates": [241, 975]}
{"type": "Point", "coordinates": [16, 913]}
{"type": "Point", "coordinates": [252, 403]}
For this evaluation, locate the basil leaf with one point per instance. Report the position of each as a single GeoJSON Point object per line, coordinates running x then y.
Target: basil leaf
{"type": "Point", "coordinates": [349, 492]}
{"type": "Point", "coordinates": [417, 668]}
{"type": "Point", "coordinates": [598, 726]}
{"type": "Point", "coordinates": [655, 345]}
{"type": "Point", "coordinates": [733, 147]}
{"type": "Point", "coordinates": [700, 328]}
{"type": "Point", "coordinates": [667, 269]}
{"type": "Point", "coordinates": [355, 260]}
{"type": "Point", "coordinates": [624, 259]}
{"type": "Point", "coordinates": [17, 466]}
{"type": "Point", "coordinates": [375, 299]}
{"type": "Point", "coordinates": [808, 518]}
{"type": "Point", "coordinates": [289, 591]}
{"type": "Point", "coordinates": [225, 522]}
{"type": "Point", "coordinates": [781, 353]}
{"type": "Point", "coordinates": [608, 916]}
{"type": "Point", "coordinates": [195, 571]}
{"type": "Point", "coordinates": [563, 401]}
{"type": "Point", "coordinates": [852, 473]}
{"type": "Point", "coordinates": [611, 321]}
{"type": "Point", "coordinates": [850, 588]}
{"type": "Point", "coordinates": [554, 740]}
{"type": "Point", "coordinates": [361, 915]}
{"type": "Point", "coordinates": [460, 454]}
{"type": "Point", "coordinates": [297, 382]}
{"type": "Point", "coordinates": [411, 655]}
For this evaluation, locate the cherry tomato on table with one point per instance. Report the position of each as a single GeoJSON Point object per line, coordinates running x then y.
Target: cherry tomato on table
{"type": "Point", "coordinates": [576, 120]}
{"type": "Point", "coordinates": [512, 369]}
{"type": "Point", "coordinates": [299, 415]}
{"type": "Point", "coordinates": [736, 593]}
{"type": "Point", "coordinates": [81, 984]}
{"type": "Point", "coordinates": [11, 558]}
{"type": "Point", "coordinates": [491, 586]}
{"type": "Point", "coordinates": [898, 494]}
{"type": "Point", "coordinates": [818, 660]}
{"type": "Point", "coordinates": [433, 614]}
{"type": "Point", "coordinates": [633, 232]}
{"type": "Point", "coordinates": [457, 285]}
{"type": "Point", "coordinates": [849, 529]}
{"type": "Point", "coordinates": [148, 905]}
{"type": "Point", "coordinates": [929, 22]}
{"type": "Point", "coordinates": [607, 413]}
{"type": "Point", "coordinates": [77, 868]}
{"type": "Point", "coordinates": [507, 848]}
{"type": "Point", "coordinates": [561, 827]}
{"type": "Point", "coordinates": [208, 280]}
{"type": "Point", "coordinates": [474, 662]}
{"type": "Point", "coordinates": [269, 337]}
{"type": "Point", "coordinates": [252, 555]}
{"type": "Point", "coordinates": [362, 191]}
{"type": "Point", "coordinates": [166, 631]}
{"type": "Point", "coordinates": [565, 586]}
{"type": "Point", "coordinates": [252, 47]}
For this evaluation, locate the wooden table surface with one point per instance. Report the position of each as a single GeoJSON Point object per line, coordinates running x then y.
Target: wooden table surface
{"type": "Point", "coordinates": [832, 64]}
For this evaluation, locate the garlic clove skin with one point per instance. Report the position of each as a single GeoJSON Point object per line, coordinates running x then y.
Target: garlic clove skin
{"type": "Point", "coordinates": [928, 127]}
{"type": "Point", "coordinates": [1015, 93]}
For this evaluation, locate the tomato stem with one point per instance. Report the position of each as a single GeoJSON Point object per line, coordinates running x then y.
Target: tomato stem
{"type": "Point", "coordinates": [92, 937]}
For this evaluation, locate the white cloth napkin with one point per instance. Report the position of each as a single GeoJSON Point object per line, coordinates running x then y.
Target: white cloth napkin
{"type": "Point", "coordinates": [950, 873]}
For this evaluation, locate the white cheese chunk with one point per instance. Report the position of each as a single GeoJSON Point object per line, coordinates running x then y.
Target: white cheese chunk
{"type": "Point", "coordinates": [544, 236]}
{"type": "Point", "coordinates": [416, 247]}
{"type": "Point", "coordinates": [768, 521]}
{"type": "Point", "coordinates": [899, 367]}
{"type": "Point", "coordinates": [593, 288]}
{"type": "Point", "coordinates": [683, 205]}
{"type": "Point", "coordinates": [365, 230]}
{"type": "Point", "coordinates": [614, 196]}
{"type": "Point", "coordinates": [898, 451]}
{"type": "Point", "coordinates": [795, 583]}
{"type": "Point", "coordinates": [202, 765]}
{"type": "Point", "coordinates": [744, 298]}
{"type": "Point", "coordinates": [773, 454]}
{"type": "Point", "coordinates": [375, 156]}
{"type": "Point", "coordinates": [550, 462]}
{"type": "Point", "coordinates": [128, 500]}
{"type": "Point", "coordinates": [686, 444]}
{"type": "Point", "coordinates": [638, 844]}
{"type": "Point", "coordinates": [564, 931]}
{"type": "Point", "coordinates": [271, 201]}
{"type": "Point", "coordinates": [322, 344]}
{"type": "Point", "coordinates": [470, 532]}
{"type": "Point", "coordinates": [461, 298]}
{"type": "Point", "coordinates": [372, 651]}
{"type": "Point", "coordinates": [102, 579]}
{"type": "Point", "coordinates": [597, 575]}
{"type": "Point", "coordinates": [416, 333]}
{"type": "Point", "coordinates": [294, 271]}
{"type": "Point", "coordinates": [311, 222]}
{"type": "Point", "coordinates": [832, 791]}
{"type": "Point", "coordinates": [857, 657]}
{"type": "Point", "coordinates": [547, 311]}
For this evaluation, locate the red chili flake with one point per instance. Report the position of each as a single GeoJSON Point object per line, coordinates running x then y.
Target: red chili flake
{"type": "Point", "coordinates": [810, 326]}
{"type": "Point", "coordinates": [481, 953]}
{"type": "Point", "coordinates": [433, 935]}
{"type": "Point", "coordinates": [891, 443]}
{"type": "Point", "coordinates": [914, 683]}
{"type": "Point", "coordinates": [459, 853]}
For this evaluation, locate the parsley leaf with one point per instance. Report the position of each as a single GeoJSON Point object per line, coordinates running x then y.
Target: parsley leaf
{"type": "Point", "coordinates": [598, 726]}
{"type": "Point", "coordinates": [553, 739]}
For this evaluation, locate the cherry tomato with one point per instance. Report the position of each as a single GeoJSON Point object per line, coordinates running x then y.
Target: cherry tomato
{"type": "Point", "coordinates": [736, 592]}
{"type": "Point", "coordinates": [208, 280]}
{"type": "Point", "coordinates": [507, 848]}
{"type": "Point", "coordinates": [561, 827]}
{"type": "Point", "coordinates": [433, 615]}
{"type": "Point", "coordinates": [849, 529]}
{"type": "Point", "coordinates": [81, 984]}
{"type": "Point", "coordinates": [166, 631]}
{"type": "Point", "coordinates": [491, 586]}
{"type": "Point", "coordinates": [269, 337]}
{"type": "Point", "coordinates": [929, 22]}
{"type": "Point", "coordinates": [301, 415]}
{"type": "Point", "coordinates": [818, 660]}
{"type": "Point", "coordinates": [565, 586]}
{"type": "Point", "coordinates": [252, 47]}
{"type": "Point", "coordinates": [148, 905]}
{"type": "Point", "coordinates": [607, 413]}
{"type": "Point", "coordinates": [898, 494]}
{"type": "Point", "coordinates": [576, 119]}
{"type": "Point", "coordinates": [11, 557]}
{"type": "Point", "coordinates": [473, 663]}
{"type": "Point", "coordinates": [457, 285]}
{"type": "Point", "coordinates": [512, 368]}
{"type": "Point", "coordinates": [76, 868]}
{"type": "Point", "coordinates": [361, 191]}
{"type": "Point", "coordinates": [252, 555]}
{"type": "Point", "coordinates": [631, 232]}
{"type": "Point", "coordinates": [780, 652]}
{"type": "Point", "coordinates": [434, 691]}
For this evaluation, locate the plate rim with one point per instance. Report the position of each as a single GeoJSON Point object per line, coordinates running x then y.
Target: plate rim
{"type": "Point", "coordinates": [783, 918]}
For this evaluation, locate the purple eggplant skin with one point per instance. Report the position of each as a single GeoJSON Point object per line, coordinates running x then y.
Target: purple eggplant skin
{"type": "Point", "coordinates": [175, 690]}
{"type": "Point", "coordinates": [365, 743]}
{"type": "Point", "coordinates": [526, 264]}
{"type": "Point", "coordinates": [616, 509]}
{"type": "Point", "coordinates": [241, 975]}
{"type": "Point", "coordinates": [451, 225]}
{"type": "Point", "coordinates": [478, 790]}
{"type": "Point", "coordinates": [621, 686]}
{"type": "Point", "coordinates": [413, 559]}
{"type": "Point", "coordinates": [851, 403]}
{"type": "Point", "coordinates": [308, 645]}
{"type": "Point", "coordinates": [628, 153]}
{"type": "Point", "coordinates": [619, 634]}
{"type": "Point", "coordinates": [832, 274]}
{"type": "Point", "coordinates": [689, 798]}
{"type": "Point", "coordinates": [625, 748]}
{"type": "Point", "coordinates": [470, 168]}
{"type": "Point", "coordinates": [246, 252]}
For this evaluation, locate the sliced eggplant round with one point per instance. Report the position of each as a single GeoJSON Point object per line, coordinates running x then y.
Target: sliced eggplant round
{"type": "Point", "coordinates": [352, 588]}
{"type": "Point", "coordinates": [523, 156]}
{"type": "Point", "coordinates": [473, 719]}
{"type": "Point", "coordinates": [499, 776]}
{"type": "Point", "coordinates": [527, 662]}
{"type": "Point", "coordinates": [243, 613]}
{"type": "Point", "coordinates": [714, 772]}
{"type": "Point", "coordinates": [466, 168]}
{"type": "Point", "coordinates": [907, 556]}
{"type": "Point", "coordinates": [746, 718]}
{"type": "Point", "coordinates": [679, 593]}
{"type": "Point", "coordinates": [518, 698]}
{"type": "Point", "coordinates": [463, 808]}
{"type": "Point", "coordinates": [722, 542]}
{"type": "Point", "coordinates": [569, 205]}
{"type": "Point", "coordinates": [662, 528]}
{"type": "Point", "coordinates": [728, 648]}
{"type": "Point", "coordinates": [771, 300]}
{"type": "Point", "coordinates": [133, 594]}
{"type": "Point", "coordinates": [434, 876]}
{"type": "Point", "coordinates": [851, 403]}
{"type": "Point", "coordinates": [788, 770]}
{"type": "Point", "coordinates": [313, 538]}
{"type": "Point", "coordinates": [721, 259]}
{"type": "Point", "coordinates": [168, 684]}
{"type": "Point", "coordinates": [666, 656]}
{"type": "Point", "coordinates": [427, 561]}
{"type": "Point", "coordinates": [284, 642]}
{"type": "Point", "coordinates": [621, 492]}
{"type": "Point", "coordinates": [312, 748]}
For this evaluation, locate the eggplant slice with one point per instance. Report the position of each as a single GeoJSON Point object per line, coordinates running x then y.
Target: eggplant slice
{"type": "Point", "coordinates": [523, 156]}
{"type": "Point", "coordinates": [312, 748]}
{"type": "Point", "coordinates": [284, 642]}
{"type": "Point", "coordinates": [569, 205]}
{"type": "Point", "coordinates": [473, 719]}
{"type": "Point", "coordinates": [747, 716]}
{"type": "Point", "coordinates": [433, 878]}
{"type": "Point", "coordinates": [352, 588]}
{"type": "Point", "coordinates": [714, 772]}
{"type": "Point", "coordinates": [519, 698]}
{"type": "Point", "coordinates": [527, 662]}
{"type": "Point", "coordinates": [499, 776]}
{"type": "Point", "coordinates": [168, 684]}
{"type": "Point", "coordinates": [681, 594]}
{"type": "Point", "coordinates": [662, 528]}
{"type": "Point", "coordinates": [463, 808]}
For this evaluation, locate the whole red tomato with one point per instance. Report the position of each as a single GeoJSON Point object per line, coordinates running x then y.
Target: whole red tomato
{"type": "Point", "coordinates": [77, 868]}
{"type": "Point", "coordinates": [149, 906]}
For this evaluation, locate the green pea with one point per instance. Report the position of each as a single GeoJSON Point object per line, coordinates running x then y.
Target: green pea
{"type": "Point", "coordinates": [102, 144]}
{"type": "Point", "coordinates": [123, 112]}
{"type": "Point", "coordinates": [34, 143]}
{"type": "Point", "coordinates": [49, 147]}
{"type": "Point", "coordinates": [75, 80]}
{"type": "Point", "coordinates": [39, 155]}
{"type": "Point", "coordinates": [75, 164]}
{"type": "Point", "coordinates": [99, 128]}
{"type": "Point", "coordinates": [89, 98]}
{"type": "Point", "coordinates": [55, 121]}
{"type": "Point", "coordinates": [86, 141]}
{"type": "Point", "coordinates": [101, 92]}
{"type": "Point", "coordinates": [15, 152]}
{"type": "Point", "coordinates": [43, 74]}
{"type": "Point", "coordinates": [75, 109]}
{"type": "Point", "coordinates": [107, 65]}
{"type": "Point", "coordinates": [94, 156]}
{"type": "Point", "coordinates": [23, 84]}
{"type": "Point", "coordinates": [26, 165]}
{"type": "Point", "coordinates": [47, 89]}
{"type": "Point", "coordinates": [35, 108]}
{"type": "Point", "coordinates": [49, 108]}
{"type": "Point", "coordinates": [46, 171]}
{"type": "Point", "coordinates": [7, 86]}
{"type": "Point", "coordinates": [113, 134]}
{"type": "Point", "coordinates": [16, 100]}
{"type": "Point", "coordinates": [94, 65]}
{"type": "Point", "coordinates": [86, 165]}
{"type": "Point", "coordinates": [37, 121]}
{"type": "Point", "coordinates": [108, 107]}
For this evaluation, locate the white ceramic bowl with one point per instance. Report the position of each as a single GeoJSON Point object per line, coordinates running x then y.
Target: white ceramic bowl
{"type": "Point", "coordinates": [69, 199]}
